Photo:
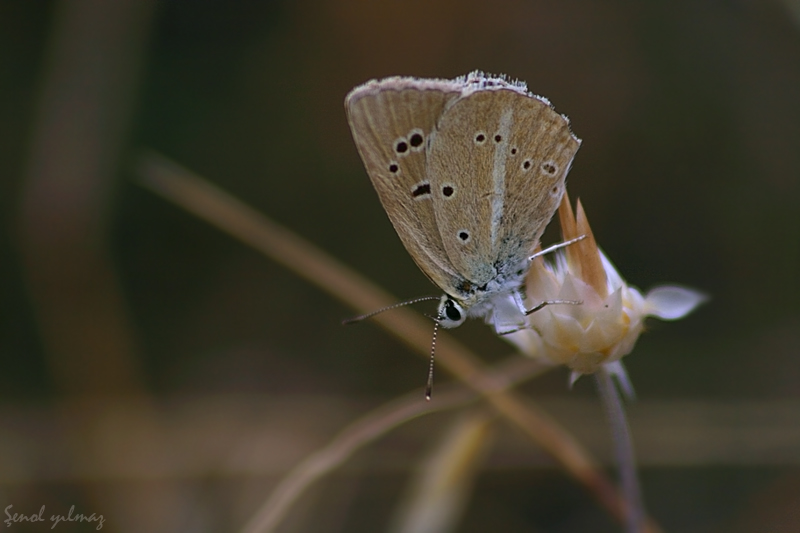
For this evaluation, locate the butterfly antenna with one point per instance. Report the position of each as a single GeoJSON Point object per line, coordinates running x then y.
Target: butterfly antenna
{"type": "Point", "coordinates": [555, 247]}
{"type": "Point", "coordinates": [401, 304]}
{"type": "Point", "coordinates": [429, 386]}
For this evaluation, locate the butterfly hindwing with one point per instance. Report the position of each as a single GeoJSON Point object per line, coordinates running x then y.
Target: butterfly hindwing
{"type": "Point", "coordinates": [535, 176]}
{"type": "Point", "coordinates": [497, 166]}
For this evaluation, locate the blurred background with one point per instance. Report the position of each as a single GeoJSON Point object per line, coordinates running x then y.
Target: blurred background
{"type": "Point", "coordinates": [158, 372]}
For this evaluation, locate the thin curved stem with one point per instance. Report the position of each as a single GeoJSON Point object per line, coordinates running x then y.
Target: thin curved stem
{"type": "Point", "coordinates": [623, 450]}
{"type": "Point", "coordinates": [198, 196]}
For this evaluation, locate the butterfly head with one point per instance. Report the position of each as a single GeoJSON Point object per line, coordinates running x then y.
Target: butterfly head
{"type": "Point", "coordinates": [451, 313]}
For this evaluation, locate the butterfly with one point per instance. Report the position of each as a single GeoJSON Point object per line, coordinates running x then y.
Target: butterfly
{"type": "Point", "coordinates": [469, 172]}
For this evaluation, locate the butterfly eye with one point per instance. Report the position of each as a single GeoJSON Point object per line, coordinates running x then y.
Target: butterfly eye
{"type": "Point", "coordinates": [451, 314]}
{"type": "Point", "coordinates": [451, 311]}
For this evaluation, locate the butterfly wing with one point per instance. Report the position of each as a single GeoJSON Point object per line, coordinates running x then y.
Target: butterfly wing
{"type": "Point", "coordinates": [497, 165]}
{"type": "Point", "coordinates": [391, 121]}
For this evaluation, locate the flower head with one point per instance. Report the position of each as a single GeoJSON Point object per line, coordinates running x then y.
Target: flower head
{"type": "Point", "coordinates": [607, 317]}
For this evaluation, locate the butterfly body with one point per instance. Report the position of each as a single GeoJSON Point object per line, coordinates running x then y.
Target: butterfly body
{"type": "Point", "coordinates": [469, 171]}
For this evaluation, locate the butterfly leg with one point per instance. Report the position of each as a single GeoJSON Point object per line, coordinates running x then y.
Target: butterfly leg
{"type": "Point", "coordinates": [538, 307]}
{"type": "Point", "coordinates": [555, 247]}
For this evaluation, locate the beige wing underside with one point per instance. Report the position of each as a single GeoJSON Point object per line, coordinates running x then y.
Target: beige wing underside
{"type": "Point", "coordinates": [497, 166]}
{"type": "Point", "coordinates": [465, 207]}
{"type": "Point", "coordinates": [391, 121]}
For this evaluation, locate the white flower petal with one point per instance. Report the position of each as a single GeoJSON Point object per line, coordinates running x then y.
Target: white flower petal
{"type": "Point", "coordinates": [615, 281]}
{"type": "Point", "coordinates": [671, 302]}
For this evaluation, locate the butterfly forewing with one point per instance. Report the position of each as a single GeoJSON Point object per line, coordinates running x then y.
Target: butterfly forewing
{"type": "Point", "coordinates": [391, 122]}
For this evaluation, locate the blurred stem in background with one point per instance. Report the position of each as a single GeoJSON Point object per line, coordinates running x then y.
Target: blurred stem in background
{"type": "Point", "coordinates": [91, 73]}
{"type": "Point", "coordinates": [240, 220]}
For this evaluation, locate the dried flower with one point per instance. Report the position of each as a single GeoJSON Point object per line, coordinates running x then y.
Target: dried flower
{"type": "Point", "coordinates": [605, 325]}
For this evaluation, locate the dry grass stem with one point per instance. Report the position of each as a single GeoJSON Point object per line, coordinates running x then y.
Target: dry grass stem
{"type": "Point", "coordinates": [367, 429]}
{"type": "Point", "coordinates": [197, 196]}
